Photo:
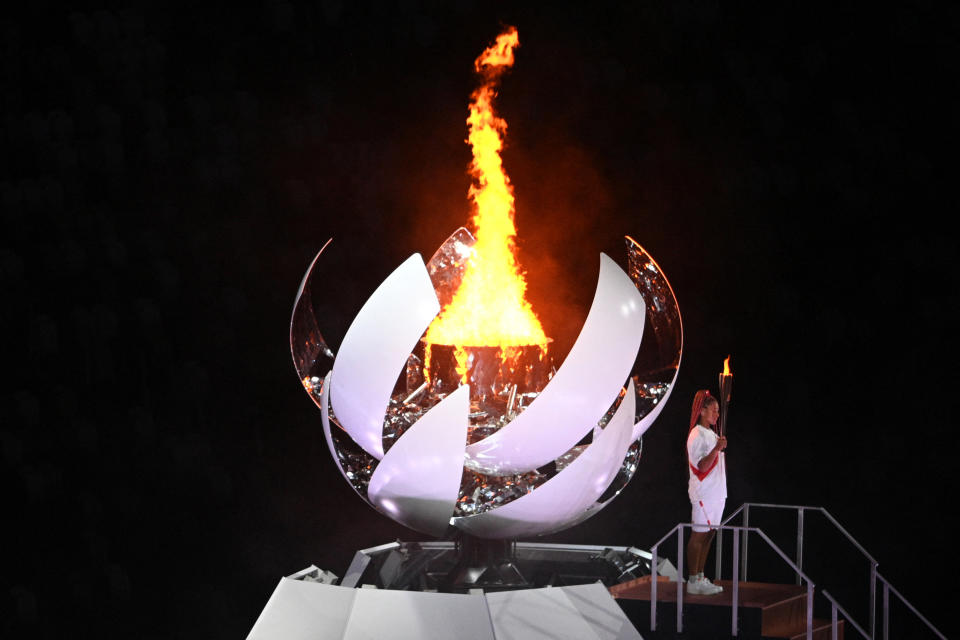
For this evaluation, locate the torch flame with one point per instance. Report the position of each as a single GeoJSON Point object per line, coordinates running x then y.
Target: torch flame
{"type": "Point", "coordinates": [489, 308]}
{"type": "Point", "coordinates": [726, 366]}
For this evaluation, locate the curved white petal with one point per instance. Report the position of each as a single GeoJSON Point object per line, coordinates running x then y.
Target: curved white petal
{"type": "Point", "coordinates": [325, 416]}
{"type": "Point", "coordinates": [562, 499]}
{"type": "Point", "coordinates": [418, 480]}
{"type": "Point", "coordinates": [581, 391]}
{"type": "Point", "coordinates": [375, 350]}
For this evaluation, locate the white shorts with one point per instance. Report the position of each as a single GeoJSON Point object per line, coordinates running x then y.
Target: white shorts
{"type": "Point", "coordinates": [707, 512]}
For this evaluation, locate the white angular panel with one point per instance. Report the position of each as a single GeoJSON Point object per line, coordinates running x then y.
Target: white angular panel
{"type": "Point", "coordinates": [414, 615]}
{"type": "Point", "coordinates": [596, 605]}
{"type": "Point", "coordinates": [583, 388]}
{"type": "Point", "coordinates": [375, 350]}
{"type": "Point", "coordinates": [300, 610]}
{"type": "Point", "coordinates": [575, 612]}
{"type": "Point", "coordinates": [563, 498]}
{"type": "Point", "coordinates": [418, 480]}
{"type": "Point", "coordinates": [537, 614]}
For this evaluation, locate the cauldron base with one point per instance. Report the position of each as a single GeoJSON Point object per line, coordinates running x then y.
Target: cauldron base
{"type": "Point", "coordinates": [466, 563]}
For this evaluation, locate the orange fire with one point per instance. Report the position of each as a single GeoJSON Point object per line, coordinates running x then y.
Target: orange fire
{"type": "Point", "coordinates": [489, 308]}
{"type": "Point", "coordinates": [726, 366]}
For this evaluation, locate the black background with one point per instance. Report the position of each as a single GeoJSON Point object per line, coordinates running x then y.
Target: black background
{"type": "Point", "coordinates": [169, 172]}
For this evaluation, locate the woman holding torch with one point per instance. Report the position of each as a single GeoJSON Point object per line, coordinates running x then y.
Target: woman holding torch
{"type": "Point", "coordinates": [707, 487]}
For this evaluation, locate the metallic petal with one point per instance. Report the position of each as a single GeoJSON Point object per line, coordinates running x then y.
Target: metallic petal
{"type": "Point", "coordinates": [312, 358]}
{"type": "Point", "coordinates": [375, 350]}
{"type": "Point", "coordinates": [582, 389]}
{"type": "Point", "coordinates": [656, 373]}
{"type": "Point", "coordinates": [562, 499]}
{"type": "Point", "coordinates": [418, 480]}
{"type": "Point", "coordinates": [448, 263]}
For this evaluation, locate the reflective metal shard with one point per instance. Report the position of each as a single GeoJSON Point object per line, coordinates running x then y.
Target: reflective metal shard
{"type": "Point", "coordinates": [496, 441]}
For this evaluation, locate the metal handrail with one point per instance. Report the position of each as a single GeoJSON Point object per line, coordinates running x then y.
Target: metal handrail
{"type": "Point", "coordinates": [793, 507]}
{"type": "Point", "coordinates": [834, 607]}
{"type": "Point", "coordinates": [874, 576]}
{"type": "Point", "coordinates": [801, 509]}
{"type": "Point", "coordinates": [678, 529]}
{"type": "Point", "coordinates": [887, 588]}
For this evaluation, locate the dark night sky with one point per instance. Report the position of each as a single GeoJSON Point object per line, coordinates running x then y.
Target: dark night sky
{"type": "Point", "coordinates": [169, 172]}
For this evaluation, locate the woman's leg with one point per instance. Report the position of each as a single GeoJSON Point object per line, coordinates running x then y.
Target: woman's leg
{"type": "Point", "coordinates": [705, 550]}
{"type": "Point", "coordinates": [697, 551]}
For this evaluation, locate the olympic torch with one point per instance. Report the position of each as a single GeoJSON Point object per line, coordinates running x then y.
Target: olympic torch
{"type": "Point", "coordinates": [726, 386]}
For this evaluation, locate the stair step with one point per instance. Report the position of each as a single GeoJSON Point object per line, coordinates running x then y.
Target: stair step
{"type": "Point", "coordinates": [782, 619]}
{"type": "Point", "coordinates": [752, 594]}
{"type": "Point", "coordinates": [768, 610]}
{"type": "Point", "coordinates": [821, 631]}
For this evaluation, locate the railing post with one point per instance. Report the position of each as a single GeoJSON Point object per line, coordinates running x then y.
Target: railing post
{"type": "Point", "coordinates": [680, 579]}
{"type": "Point", "coordinates": [719, 552]}
{"type": "Point", "coordinates": [743, 534]}
{"type": "Point", "coordinates": [736, 584]}
{"type": "Point", "coordinates": [886, 611]}
{"type": "Point", "coordinates": [653, 587]}
{"type": "Point", "coordinates": [799, 541]}
{"type": "Point", "coordinates": [809, 610]}
{"type": "Point", "coordinates": [833, 620]}
{"type": "Point", "coordinates": [873, 600]}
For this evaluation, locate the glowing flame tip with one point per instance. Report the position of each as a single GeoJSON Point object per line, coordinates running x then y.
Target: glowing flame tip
{"type": "Point", "coordinates": [500, 53]}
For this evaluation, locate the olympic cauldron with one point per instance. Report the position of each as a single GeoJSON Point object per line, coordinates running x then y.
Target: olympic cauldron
{"type": "Point", "coordinates": [511, 446]}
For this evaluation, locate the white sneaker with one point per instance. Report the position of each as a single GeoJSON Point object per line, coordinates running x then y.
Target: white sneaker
{"type": "Point", "coordinates": [707, 588]}
{"type": "Point", "coordinates": [695, 585]}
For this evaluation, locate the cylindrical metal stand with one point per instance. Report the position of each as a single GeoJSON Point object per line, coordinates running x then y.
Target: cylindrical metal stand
{"type": "Point", "coordinates": [485, 564]}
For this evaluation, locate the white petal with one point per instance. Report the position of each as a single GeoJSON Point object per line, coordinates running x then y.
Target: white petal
{"type": "Point", "coordinates": [563, 499]}
{"type": "Point", "coordinates": [583, 388]}
{"type": "Point", "coordinates": [375, 350]}
{"type": "Point", "coordinates": [418, 480]}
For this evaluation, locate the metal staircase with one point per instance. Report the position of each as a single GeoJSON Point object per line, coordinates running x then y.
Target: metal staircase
{"type": "Point", "coordinates": [756, 609]}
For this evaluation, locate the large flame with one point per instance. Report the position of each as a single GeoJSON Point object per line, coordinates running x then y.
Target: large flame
{"type": "Point", "coordinates": [489, 308]}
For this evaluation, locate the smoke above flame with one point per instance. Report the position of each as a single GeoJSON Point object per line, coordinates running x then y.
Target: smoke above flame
{"type": "Point", "coordinates": [489, 308]}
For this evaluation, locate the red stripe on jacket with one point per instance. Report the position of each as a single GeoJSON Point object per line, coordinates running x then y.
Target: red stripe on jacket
{"type": "Point", "coordinates": [703, 474]}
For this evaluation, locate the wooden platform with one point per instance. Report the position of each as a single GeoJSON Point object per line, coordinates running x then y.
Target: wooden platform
{"type": "Point", "coordinates": [765, 610]}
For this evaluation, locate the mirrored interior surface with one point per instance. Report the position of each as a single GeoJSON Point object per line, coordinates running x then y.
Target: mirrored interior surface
{"type": "Point", "coordinates": [656, 369]}
{"type": "Point", "coordinates": [357, 465]}
{"type": "Point", "coordinates": [448, 263]}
